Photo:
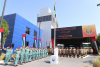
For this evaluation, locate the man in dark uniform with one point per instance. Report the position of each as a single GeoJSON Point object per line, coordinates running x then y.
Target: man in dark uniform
{"type": "Point", "coordinates": [77, 52]}
{"type": "Point", "coordinates": [66, 52]}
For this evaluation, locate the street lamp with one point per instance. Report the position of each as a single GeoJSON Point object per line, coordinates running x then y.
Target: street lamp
{"type": "Point", "coordinates": [98, 4]}
{"type": "Point", "coordinates": [39, 33]}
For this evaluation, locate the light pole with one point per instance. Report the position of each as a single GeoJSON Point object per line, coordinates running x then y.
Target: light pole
{"type": "Point", "coordinates": [39, 33]}
{"type": "Point", "coordinates": [98, 4]}
{"type": "Point", "coordinates": [1, 22]}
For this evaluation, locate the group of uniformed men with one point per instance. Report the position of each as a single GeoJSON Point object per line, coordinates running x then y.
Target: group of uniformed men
{"type": "Point", "coordinates": [82, 52]}
{"type": "Point", "coordinates": [26, 54]}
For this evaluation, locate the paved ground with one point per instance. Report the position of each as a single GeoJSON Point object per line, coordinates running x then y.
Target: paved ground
{"type": "Point", "coordinates": [63, 62]}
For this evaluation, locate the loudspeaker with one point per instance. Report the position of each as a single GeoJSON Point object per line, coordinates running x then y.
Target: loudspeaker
{"type": "Point", "coordinates": [12, 45]}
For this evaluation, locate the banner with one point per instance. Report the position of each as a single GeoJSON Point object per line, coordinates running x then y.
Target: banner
{"type": "Point", "coordinates": [89, 31]}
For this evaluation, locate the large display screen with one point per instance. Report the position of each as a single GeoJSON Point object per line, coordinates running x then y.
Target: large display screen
{"type": "Point", "coordinates": [68, 32]}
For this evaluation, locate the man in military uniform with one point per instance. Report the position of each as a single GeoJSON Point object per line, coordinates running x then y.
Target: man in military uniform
{"type": "Point", "coordinates": [46, 51]}
{"type": "Point", "coordinates": [77, 52]}
{"type": "Point", "coordinates": [26, 54]}
{"type": "Point", "coordinates": [91, 51]}
{"type": "Point", "coordinates": [74, 52]}
{"type": "Point", "coordinates": [30, 54]}
{"type": "Point", "coordinates": [70, 52]}
{"type": "Point", "coordinates": [11, 52]}
{"type": "Point", "coordinates": [22, 54]}
{"type": "Point", "coordinates": [7, 55]}
{"type": "Point", "coordinates": [81, 52]}
{"type": "Point", "coordinates": [66, 52]}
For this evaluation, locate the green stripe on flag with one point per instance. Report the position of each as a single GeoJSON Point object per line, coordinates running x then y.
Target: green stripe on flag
{"type": "Point", "coordinates": [22, 41]}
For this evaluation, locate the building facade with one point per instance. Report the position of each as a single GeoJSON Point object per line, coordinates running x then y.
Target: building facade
{"type": "Point", "coordinates": [46, 21]}
{"type": "Point", "coordinates": [18, 26]}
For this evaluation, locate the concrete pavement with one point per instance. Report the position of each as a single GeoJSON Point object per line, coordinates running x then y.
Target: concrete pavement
{"type": "Point", "coordinates": [63, 62]}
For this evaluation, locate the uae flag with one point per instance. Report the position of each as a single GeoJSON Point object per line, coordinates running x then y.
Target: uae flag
{"type": "Point", "coordinates": [40, 43]}
{"type": "Point", "coordinates": [35, 42]}
{"type": "Point", "coordinates": [23, 39]}
{"type": "Point", "coordinates": [50, 44]}
{"type": "Point", "coordinates": [95, 45]}
{"type": "Point", "coordinates": [55, 8]}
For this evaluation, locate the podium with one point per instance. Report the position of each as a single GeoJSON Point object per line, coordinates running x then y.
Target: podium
{"type": "Point", "coordinates": [54, 58]}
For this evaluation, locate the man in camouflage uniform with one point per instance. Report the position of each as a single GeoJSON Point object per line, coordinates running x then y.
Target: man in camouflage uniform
{"type": "Point", "coordinates": [74, 52]}
{"type": "Point", "coordinates": [91, 51]}
{"type": "Point", "coordinates": [77, 52]}
{"type": "Point", "coordinates": [70, 52]}
{"type": "Point", "coordinates": [60, 52]}
{"type": "Point", "coordinates": [81, 52]}
{"type": "Point", "coordinates": [66, 52]}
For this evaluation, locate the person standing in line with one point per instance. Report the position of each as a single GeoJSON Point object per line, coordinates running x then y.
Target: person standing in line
{"type": "Point", "coordinates": [22, 54]}
{"type": "Point", "coordinates": [11, 52]}
{"type": "Point", "coordinates": [26, 54]}
{"type": "Point", "coordinates": [36, 53]}
{"type": "Point", "coordinates": [30, 54]}
{"type": "Point", "coordinates": [33, 54]}
{"type": "Point", "coordinates": [17, 56]}
{"type": "Point", "coordinates": [81, 52]}
{"type": "Point", "coordinates": [70, 52]}
{"type": "Point", "coordinates": [66, 52]}
{"type": "Point", "coordinates": [7, 55]}
{"type": "Point", "coordinates": [60, 52]}
{"type": "Point", "coordinates": [39, 53]}
{"type": "Point", "coordinates": [74, 52]}
{"type": "Point", "coordinates": [77, 52]}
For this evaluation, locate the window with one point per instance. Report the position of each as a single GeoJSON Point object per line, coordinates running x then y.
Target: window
{"type": "Point", "coordinates": [44, 18]}
{"type": "Point", "coordinates": [27, 30]}
{"type": "Point", "coordinates": [49, 18]}
{"type": "Point", "coordinates": [35, 33]}
{"type": "Point", "coordinates": [39, 18]}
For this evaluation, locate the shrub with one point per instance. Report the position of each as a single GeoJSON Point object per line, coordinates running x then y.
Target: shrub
{"type": "Point", "coordinates": [96, 63]}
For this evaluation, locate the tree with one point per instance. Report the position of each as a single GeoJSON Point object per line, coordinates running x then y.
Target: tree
{"type": "Point", "coordinates": [98, 40]}
{"type": "Point", "coordinates": [6, 29]}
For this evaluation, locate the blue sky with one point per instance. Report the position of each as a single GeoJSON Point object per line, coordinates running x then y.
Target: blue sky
{"type": "Point", "coordinates": [69, 12]}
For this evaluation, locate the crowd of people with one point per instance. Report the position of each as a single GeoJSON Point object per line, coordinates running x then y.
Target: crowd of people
{"type": "Point", "coordinates": [69, 52]}
{"type": "Point", "coordinates": [25, 54]}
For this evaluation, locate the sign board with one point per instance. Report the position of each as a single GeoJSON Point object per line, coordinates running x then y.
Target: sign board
{"type": "Point", "coordinates": [54, 59]}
